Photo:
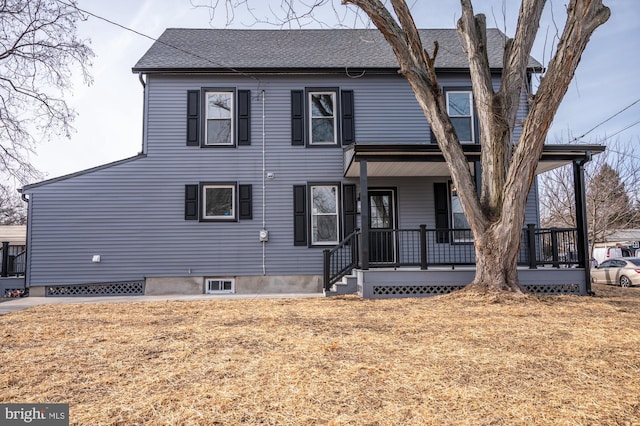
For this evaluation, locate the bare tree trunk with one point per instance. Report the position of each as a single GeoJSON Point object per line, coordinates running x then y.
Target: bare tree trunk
{"type": "Point", "coordinates": [508, 169]}
{"type": "Point", "coordinates": [496, 255]}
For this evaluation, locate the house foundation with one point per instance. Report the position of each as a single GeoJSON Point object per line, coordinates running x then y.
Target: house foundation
{"type": "Point", "coordinates": [241, 284]}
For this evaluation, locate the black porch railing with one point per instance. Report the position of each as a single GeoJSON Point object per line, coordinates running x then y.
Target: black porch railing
{"type": "Point", "coordinates": [13, 260]}
{"type": "Point", "coordinates": [340, 260]}
{"type": "Point", "coordinates": [556, 247]}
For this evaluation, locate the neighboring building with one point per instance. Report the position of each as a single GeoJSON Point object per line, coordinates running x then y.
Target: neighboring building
{"type": "Point", "coordinates": [626, 239]}
{"type": "Point", "coordinates": [253, 164]}
{"type": "Point", "coordinates": [12, 258]}
{"type": "Point", "coordinates": [15, 235]}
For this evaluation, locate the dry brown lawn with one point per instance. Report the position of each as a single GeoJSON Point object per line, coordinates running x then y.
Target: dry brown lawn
{"type": "Point", "coordinates": [461, 359]}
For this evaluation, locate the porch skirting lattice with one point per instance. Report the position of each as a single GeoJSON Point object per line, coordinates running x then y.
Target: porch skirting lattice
{"type": "Point", "coordinates": [553, 289]}
{"type": "Point", "coordinates": [391, 290]}
{"type": "Point", "coordinates": [122, 288]}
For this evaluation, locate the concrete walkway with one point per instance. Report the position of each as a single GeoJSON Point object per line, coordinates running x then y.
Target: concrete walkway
{"type": "Point", "coordinates": [28, 302]}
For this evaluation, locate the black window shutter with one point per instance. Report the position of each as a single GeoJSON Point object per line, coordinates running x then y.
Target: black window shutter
{"type": "Point", "coordinates": [193, 121]}
{"type": "Point", "coordinates": [299, 215]}
{"type": "Point", "coordinates": [441, 201]}
{"type": "Point", "coordinates": [191, 202]}
{"type": "Point", "coordinates": [349, 208]}
{"type": "Point", "coordinates": [348, 129]}
{"type": "Point", "coordinates": [297, 117]}
{"type": "Point", "coordinates": [246, 201]}
{"type": "Point", "coordinates": [432, 135]}
{"type": "Point", "coordinates": [244, 112]}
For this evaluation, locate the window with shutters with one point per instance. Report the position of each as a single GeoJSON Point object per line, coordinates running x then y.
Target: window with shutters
{"type": "Point", "coordinates": [218, 201]}
{"type": "Point", "coordinates": [325, 212]}
{"type": "Point", "coordinates": [322, 117]}
{"type": "Point", "coordinates": [218, 117]}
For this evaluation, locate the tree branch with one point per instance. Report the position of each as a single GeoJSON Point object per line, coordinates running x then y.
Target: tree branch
{"type": "Point", "coordinates": [40, 50]}
{"type": "Point", "coordinates": [583, 17]}
{"type": "Point", "coordinates": [419, 70]}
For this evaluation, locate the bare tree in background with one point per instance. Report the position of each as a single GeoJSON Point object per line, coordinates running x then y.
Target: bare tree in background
{"type": "Point", "coordinates": [13, 211]}
{"type": "Point", "coordinates": [39, 49]}
{"type": "Point", "coordinates": [496, 217]}
{"type": "Point", "coordinates": [612, 181]}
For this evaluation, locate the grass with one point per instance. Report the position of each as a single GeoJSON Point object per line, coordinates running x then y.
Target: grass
{"type": "Point", "coordinates": [461, 359]}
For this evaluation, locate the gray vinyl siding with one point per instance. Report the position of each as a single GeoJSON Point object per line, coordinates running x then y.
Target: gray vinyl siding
{"type": "Point", "coordinates": [415, 201]}
{"type": "Point", "coordinates": [132, 213]}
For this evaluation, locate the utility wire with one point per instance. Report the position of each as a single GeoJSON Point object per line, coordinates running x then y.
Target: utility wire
{"type": "Point", "coordinates": [621, 130]}
{"type": "Point", "coordinates": [626, 154]}
{"type": "Point", "coordinates": [158, 41]}
{"type": "Point", "coordinates": [608, 119]}
{"type": "Point", "coordinates": [257, 79]}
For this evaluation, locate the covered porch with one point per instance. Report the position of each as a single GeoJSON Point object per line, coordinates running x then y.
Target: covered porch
{"type": "Point", "coordinates": [396, 262]}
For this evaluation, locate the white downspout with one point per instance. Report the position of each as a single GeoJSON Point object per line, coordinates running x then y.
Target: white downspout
{"type": "Point", "coordinates": [264, 188]}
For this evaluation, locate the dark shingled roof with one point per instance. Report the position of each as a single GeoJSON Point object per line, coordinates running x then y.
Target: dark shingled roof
{"type": "Point", "coordinates": [219, 50]}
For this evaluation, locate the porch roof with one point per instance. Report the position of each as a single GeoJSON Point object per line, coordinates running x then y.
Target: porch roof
{"type": "Point", "coordinates": [386, 160]}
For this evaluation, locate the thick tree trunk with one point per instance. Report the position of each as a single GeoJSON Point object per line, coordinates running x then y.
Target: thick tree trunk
{"type": "Point", "coordinates": [496, 260]}
{"type": "Point", "coordinates": [508, 167]}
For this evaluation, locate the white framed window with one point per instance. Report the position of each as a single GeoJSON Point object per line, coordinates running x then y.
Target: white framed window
{"type": "Point", "coordinates": [460, 110]}
{"type": "Point", "coordinates": [323, 129]}
{"type": "Point", "coordinates": [219, 201]}
{"type": "Point", "coordinates": [324, 215]}
{"type": "Point", "coordinates": [459, 223]}
{"type": "Point", "coordinates": [219, 118]}
{"type": "Point", "coordinates": [220, 285]}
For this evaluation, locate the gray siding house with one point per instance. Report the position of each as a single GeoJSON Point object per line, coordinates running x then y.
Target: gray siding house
{"type": "Point", "coordinates": [268, 157]}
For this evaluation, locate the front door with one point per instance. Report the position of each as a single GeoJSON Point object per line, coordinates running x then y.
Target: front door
{"type": "Point", "coordinates": [382, 220]}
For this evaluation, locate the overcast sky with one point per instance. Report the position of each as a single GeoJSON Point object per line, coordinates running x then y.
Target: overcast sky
{"type": "Point", "coordinates": [109, 122]}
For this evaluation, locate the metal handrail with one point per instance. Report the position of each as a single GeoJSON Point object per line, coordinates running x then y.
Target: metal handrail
{"type": "Point", "coordinates": [340, 260]}
{"type": "Point", "coordinates": [12, 260]}
{"type": "Point", "coordinates": [423, 247]}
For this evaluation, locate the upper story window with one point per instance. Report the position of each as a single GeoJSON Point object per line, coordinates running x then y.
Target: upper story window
{"type": "Point", "coordinates": [324, 215]}
{"type": "Point", "coordinates": [460, 110]}
{"type": "Point", "coordinates": [322, 126]}
{"type": "Point", "coordinates": [322, 117]}
{"type": "Point", "coordinates": [219, 118]}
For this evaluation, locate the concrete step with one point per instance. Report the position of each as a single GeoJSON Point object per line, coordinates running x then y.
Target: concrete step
{"type": "Point", "coordinates": [348, 285]}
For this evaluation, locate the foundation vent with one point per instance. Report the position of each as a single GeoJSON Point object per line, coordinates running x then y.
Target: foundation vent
{"type": "Point", "coordinates": [123, 288]}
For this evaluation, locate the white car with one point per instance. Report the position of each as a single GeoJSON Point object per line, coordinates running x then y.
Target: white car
{"type": "Point", "coordinates": [623, 271]}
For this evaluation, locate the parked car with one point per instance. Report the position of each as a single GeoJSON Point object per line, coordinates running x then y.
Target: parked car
{"type": "Point", "coordinates": [624, 271]}
{"type": "Point", "coordinates": [600, 254]}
